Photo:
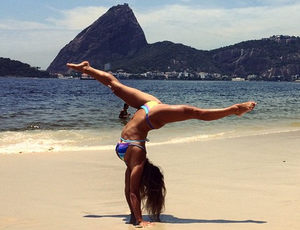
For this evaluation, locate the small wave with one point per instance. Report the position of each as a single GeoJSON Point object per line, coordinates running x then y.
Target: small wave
{"type": "Point", "coordinates": [263, 132]}
{"type": "Point", "coordinates": [278, 131]}
{"type": "Point", "coordinates": [224, 135]}
{"type": "Point", "coordinates": [195, 138]}
{"type": "Point", "coordinates": [35, 141]}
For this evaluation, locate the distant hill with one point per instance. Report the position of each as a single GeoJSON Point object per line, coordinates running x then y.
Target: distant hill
{"type": "Point", "coordinates": [274, 56]}
{"type": "Point", "coordinates": [117, 38]}
{"type": "Point", "coordinates": [166, 56]}
{"type": "Point", "coordinates": [10, 67]}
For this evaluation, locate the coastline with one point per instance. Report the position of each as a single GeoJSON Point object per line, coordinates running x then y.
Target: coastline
{"type": "Point", "coordinates": [55, 141]}
{"type": "Point", "coordinates": [242, 182]}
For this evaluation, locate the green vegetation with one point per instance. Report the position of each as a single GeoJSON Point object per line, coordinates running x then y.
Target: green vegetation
{"type": "Point", "coordinates": [164, 56]}
{"type": "Point", "coordinates": [10, 67]}
{"type": "Point", "coordinates": [266, 58]}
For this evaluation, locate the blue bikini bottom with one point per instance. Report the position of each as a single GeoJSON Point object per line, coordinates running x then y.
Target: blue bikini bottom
{"type": "Point", "coordinates": [122, 147]}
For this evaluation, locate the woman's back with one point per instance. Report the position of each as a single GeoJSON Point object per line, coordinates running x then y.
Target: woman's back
{"type": "Point", "coordinates": [137, 127]}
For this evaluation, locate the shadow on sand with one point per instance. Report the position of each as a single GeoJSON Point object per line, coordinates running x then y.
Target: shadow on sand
{"type": "Point", "coordinates": [165, 218]}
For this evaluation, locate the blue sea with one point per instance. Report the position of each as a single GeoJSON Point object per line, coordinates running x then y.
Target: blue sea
{"type": "Point", "coordinates": [41, 115]}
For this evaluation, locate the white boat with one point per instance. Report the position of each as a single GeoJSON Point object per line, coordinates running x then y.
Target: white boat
{"type": "Point", "coordinates": [238, 79]}
{"type": "Point", "coordinates": [60, 76]}
{"type": "Point", "coordinates": [86, 77]}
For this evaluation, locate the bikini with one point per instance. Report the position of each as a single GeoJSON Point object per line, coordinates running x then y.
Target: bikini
{"type": "Point", "coordinates": [123, 144]}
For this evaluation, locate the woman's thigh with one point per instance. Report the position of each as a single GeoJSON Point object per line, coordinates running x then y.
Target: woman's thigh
{"type": "Point", "coordinates": [132, 96]}
{"type": "Point", "coordinates": [163, 114]}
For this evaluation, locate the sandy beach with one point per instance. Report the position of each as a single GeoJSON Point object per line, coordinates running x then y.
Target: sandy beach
{"type": "Point", "coordinates": [239, 183]}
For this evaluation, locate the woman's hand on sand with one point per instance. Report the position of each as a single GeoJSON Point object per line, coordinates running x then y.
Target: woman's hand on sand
{"type": "Point", "coordinates": [144, 224]}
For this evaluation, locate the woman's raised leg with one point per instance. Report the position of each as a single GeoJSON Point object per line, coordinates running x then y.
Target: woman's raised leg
{"type": "Point", "coordinates": [133, 97]}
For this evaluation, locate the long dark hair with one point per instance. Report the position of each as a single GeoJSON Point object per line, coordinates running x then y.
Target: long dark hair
{"type": "Point", "coordinates": [153, 190]}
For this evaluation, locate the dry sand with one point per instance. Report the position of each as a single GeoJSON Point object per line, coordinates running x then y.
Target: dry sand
{"type": "Point", "coordinates": [239, 183]}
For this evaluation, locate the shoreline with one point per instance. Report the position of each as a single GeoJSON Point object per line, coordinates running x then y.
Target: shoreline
{"type": "Point", "coordinates": [34, 142]}
{"type": "Point", "coordinates": [246, 182]}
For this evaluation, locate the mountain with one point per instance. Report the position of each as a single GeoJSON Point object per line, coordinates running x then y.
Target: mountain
{"type": "Point", "coordinates": [10, 67]}
{"type": "Point", "coordinates": [114, 35]}
{"type": "Point", "coordinates": [274, 56]}
{"type": "Point", "coordinates": [117, 38]}
{"type": "Point", "coordinates": [166, 56]}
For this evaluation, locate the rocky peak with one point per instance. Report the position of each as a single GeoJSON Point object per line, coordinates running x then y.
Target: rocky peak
{"type": "Point", "coordinates": [116, 34]}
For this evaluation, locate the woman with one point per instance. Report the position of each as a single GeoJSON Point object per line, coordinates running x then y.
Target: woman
{"type": "Point", "coordinates": [124, 113]}
{"type": "Point", "coordinates": [143, 180]}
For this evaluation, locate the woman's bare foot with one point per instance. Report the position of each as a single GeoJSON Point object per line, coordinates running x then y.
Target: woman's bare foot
{"type": "Point", "coordinates": [79, 67]}
{"type": "Point", "coordinates": [245, 107]}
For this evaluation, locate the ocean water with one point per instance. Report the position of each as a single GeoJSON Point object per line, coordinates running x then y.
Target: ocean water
{"type": "Point", "coordinates": [40, 115]}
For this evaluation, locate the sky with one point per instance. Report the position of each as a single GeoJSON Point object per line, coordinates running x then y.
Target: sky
{"type": "Point", "coordinates": [34, 31]}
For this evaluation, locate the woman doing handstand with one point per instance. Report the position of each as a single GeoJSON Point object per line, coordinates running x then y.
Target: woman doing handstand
{"type": "Point", "coordinates": [143, 180]}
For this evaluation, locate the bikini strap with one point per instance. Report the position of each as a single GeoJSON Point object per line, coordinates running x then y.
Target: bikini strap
{"type": "Point", "coordinates": [132, 141]}
{"type": "Point", "coordinates": [147, 109]}
{"type": "Point", "coordinates": [148, 121]}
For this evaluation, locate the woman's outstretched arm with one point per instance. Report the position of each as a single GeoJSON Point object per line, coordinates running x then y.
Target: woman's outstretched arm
{"type": "Point", "coordinates": [133, 97]}
{"type": "Point", "coordinates": [132, 193]}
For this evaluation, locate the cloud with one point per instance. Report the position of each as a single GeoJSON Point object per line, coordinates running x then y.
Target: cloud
{"type": "Point", "coordinates": [37, 48]}
{"type": "Point", "coordinates": [21, 25]}
{"type": "Point", "coordinates": [77, 18]}
{"type": "Point", "coordinates": [38, 43]}
{"type": "Point", "coordinates": [74, 19]}
{"type": "Point", "coordinates": [208, 28]}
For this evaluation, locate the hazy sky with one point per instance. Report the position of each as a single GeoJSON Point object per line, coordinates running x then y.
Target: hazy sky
{"type": "Point", "coordinates": [34, 31]}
